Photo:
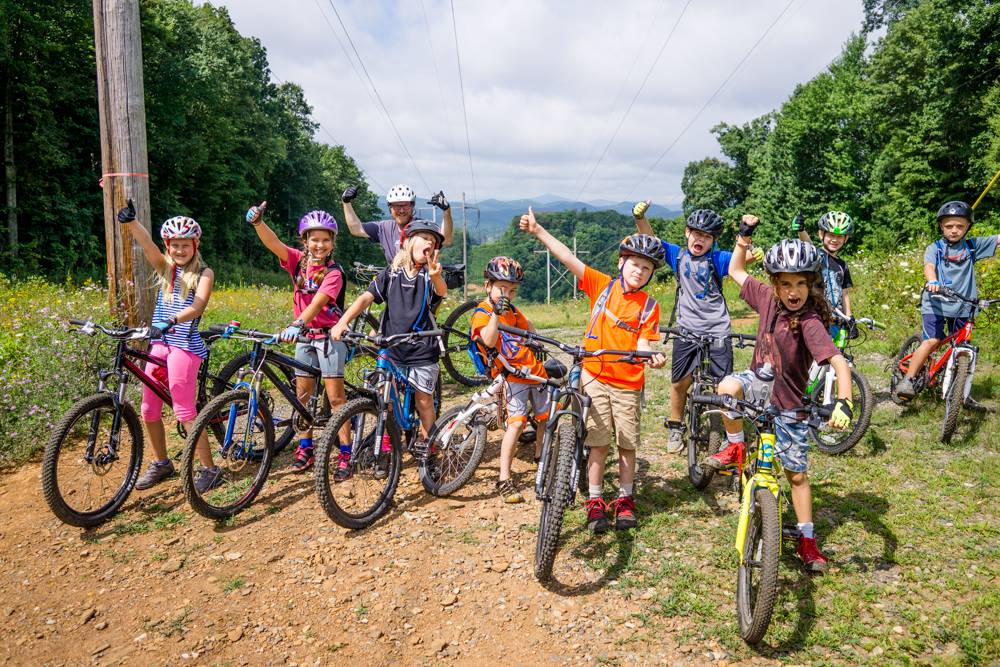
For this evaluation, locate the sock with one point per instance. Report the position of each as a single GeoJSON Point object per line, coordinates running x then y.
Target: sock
{"type": "Point", "coordinates": [674, 425]}
{"type": "Point", "coordinates": [305, 443]}
{"type": "Point", "coordinates": [735, 437]}
{"type": "Point", "coordinates": [594, 491]}
{"type": "Point", "coordinates": [806, 529]}
{"type": "Point", "coordinates": [164, 462]}
{"type": "Point", "coordinates": [625, 490]}
{"type": "Point", "coordinates": [345, 449]}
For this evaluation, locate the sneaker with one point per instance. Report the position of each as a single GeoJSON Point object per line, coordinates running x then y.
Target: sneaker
{"type": "Point", "coordinates": [675, 441]}
{"type": "Point", "coordinates": [343, 471]}
{"type": "Point", "coordinates": [726, 458]}
{"type": "Point", "coordinates": [813, 560]}
{"type": "Point", "coordinates": [509, 491]}
{"type": "Point", "coordinates": [206, 479]}
{"type": "Point", "coordinates": [904, 389]}
{"type": "Point", "coordinates": [624, 509]}
{"type": "Point", "coordinates": [155, 473]}
{"type": "Point", "coordinates": [304, 459]}
{"type": "Point", "coordinates": [597, 518]}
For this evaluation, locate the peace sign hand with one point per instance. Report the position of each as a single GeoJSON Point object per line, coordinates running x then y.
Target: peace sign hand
{"type": "Point", "coordinates": [434, 267]}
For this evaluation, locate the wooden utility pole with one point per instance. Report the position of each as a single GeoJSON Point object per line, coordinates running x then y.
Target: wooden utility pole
{"type": "Point", "coordinates": [10, 170]}
{"type": "Point", "coordinates": [121, 106]}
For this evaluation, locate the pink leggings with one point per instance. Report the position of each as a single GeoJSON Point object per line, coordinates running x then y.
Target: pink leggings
{"type": "Point", "coordinates": [182, 378]}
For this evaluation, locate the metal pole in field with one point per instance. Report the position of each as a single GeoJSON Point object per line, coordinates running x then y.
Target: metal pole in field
{"type": "Point", "coordinates": [122, 112]}
{"type": "Point", "coordinates": [465, 252]}
{"type": "Point", "coordinates": [548, 276]}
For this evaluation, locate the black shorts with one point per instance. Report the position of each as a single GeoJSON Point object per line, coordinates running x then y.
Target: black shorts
{"type": "Point", "coordinates": [686, 358]}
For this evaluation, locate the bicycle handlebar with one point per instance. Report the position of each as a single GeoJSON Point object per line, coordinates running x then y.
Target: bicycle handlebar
{"type": "Point", "coordinates": [380, 341]}
{"type": "Point", "coordinates": [128, 333]}
{"type": "Point", "coordinates": [741, 340]}
{"type": "Point", "coordinates": [867, 321]}
{"type": "Point", "coordinates": [948, 293]}
{"type": "Point", "coordinates": [576, 351]}
{"type": "Point", "coordinates": [733, 404]}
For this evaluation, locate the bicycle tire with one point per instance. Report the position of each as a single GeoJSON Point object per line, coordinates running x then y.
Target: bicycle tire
{"type": "Point", "coordinates": [231, 371]}
{"type": "Point", "coordinates": [755, 603]}
{"type": "Point", "coordinates": [555, 498]}
{"type": "Point", "coordinates": [456, 357]}
{"type": "Point", "coordinates": [364, 463]}
{"type": "Point", "coordinates": [464, 465]}
{"type": "Point", "coordinates": [700, 446]}
{"type": "Point", "coordinates": [908, 347]}
{"type": "Point", "coordinates": [955, 398]}
{"type": "Point", "coordinates": [211, 417]}
{"type": "Point", "coordinates": [56, 449]}
{"type": "Point", "coordinates": [827, 440]}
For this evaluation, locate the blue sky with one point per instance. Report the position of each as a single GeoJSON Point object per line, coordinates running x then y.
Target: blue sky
{"type": "Point", "coordinates": [546, 84]}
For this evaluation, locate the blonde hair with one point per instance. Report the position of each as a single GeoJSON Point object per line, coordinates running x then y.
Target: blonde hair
{"type": "Point", "coordinates": [190, 275]}
{"type": "Point", "coordinates": [404, 258]}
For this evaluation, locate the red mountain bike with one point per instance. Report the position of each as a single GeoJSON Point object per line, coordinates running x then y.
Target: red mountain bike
{"type": "Point", "coordinates": [957, 361]}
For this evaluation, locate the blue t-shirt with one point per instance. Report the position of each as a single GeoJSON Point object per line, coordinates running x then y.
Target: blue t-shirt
{"type": "Point", "coordinates": [954, 265]}
{"type": "Point", "coordinates": [701, 307]}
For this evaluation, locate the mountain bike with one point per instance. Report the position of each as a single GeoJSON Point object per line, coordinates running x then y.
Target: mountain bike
{"type": "Point", "coordinates": [562, 467]}
{"type": "Point", "coordinates": [703, 433]}
{"type": "Point", "coordinates": [821, 391]}
{"type": "Point", "coordinates": [244, 425]}
{"type": "Point", "coordinates": [456, 353]}
{"type": "Point", "coordinates": [957, 361]}
{"type": "Point", "coordinates": [94, 454]}
{"type": "Point", "coordinates": [759, 529]}
{"type": "Point", "coordinates": [379, 422]}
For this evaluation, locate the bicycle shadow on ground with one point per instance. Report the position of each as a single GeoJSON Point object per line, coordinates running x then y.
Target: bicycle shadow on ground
{"type": "Point", "coordinates": [271, 503]}
{"type": "Point", "coordinates": [159, 503]}
{"type": "Point", "coordinates": [795, 586]}
{"type": "Point", "coordinates": [832, 509]}
{"type": "Point", "coordinates": [593, 547]}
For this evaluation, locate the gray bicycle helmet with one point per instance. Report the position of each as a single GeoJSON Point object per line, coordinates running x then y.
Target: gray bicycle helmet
{"type": "Point", "coordinates": [957, 209]}
{"type": "Point", "coordinates": [428, 226]}
{"type": "Point", "coordinates": [643, 245]}
{"type": "Point", "coordinates": [836, 222]}
{"type": "Point", "coordinates": [705, 220]}
{"type": "Point", "coordinates": [791, 256]}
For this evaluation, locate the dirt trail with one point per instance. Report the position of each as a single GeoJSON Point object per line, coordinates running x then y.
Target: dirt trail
{"type": "Point", "coordinates": [435, 581]}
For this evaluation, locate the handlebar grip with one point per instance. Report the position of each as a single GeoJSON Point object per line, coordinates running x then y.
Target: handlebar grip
{"type": "Point", "coordinates": [514, 330]}
{"type": "Point", "coordinates": [216, 328]}
{"type": "Point", "coordinates": [78, 323]}
{"type": "Point", "coordinates": [717, 400]}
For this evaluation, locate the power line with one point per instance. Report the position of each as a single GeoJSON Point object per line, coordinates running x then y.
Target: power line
{"type": "Point", "coordinates": [374, 88]}
{"type": "Point", "coordinates": [465, 113]}
{"type": "Point", "coordinates": [437, 72]}
{"type": "Point", "coordinates": [713, 96]}
{"type": "Point", "coordinates": [335, 142]}
{"type": "Point", "coordinates": [635, 97]}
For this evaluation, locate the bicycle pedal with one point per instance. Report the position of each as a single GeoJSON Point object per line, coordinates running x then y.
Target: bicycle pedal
{"type": "Point", "coordinates": [729, 472]}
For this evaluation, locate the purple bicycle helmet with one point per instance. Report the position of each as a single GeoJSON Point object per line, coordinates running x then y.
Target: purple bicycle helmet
{"type": "Point", "coordinates": [317, 220]}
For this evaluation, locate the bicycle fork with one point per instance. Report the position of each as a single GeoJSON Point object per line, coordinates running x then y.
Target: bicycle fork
{"type": "Point", "coordinates": [949, 372]}
{"type": "Point", "coordinates": [764, 477]}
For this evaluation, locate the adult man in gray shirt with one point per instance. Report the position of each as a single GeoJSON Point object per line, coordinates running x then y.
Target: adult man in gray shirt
{"type": "Point", "coordinates": [388, 233]}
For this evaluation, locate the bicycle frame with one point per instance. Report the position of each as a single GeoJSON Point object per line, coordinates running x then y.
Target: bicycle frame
{"type": "Point", "coordinates": [258, 358]}
{"type": "Point", "coordinates": [403, 411]}
{"type": "Point", "coordinates": [766, 471]}
{"type": "Point", "coordinates": [955, 344]}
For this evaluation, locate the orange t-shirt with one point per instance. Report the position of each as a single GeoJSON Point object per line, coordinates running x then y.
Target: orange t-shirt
{"type": "Point", "coordinates": [603, 332]}
{"type": "Point", "coordinates": [509, 345]}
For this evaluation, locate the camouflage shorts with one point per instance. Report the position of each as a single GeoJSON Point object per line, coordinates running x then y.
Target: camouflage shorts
{"type": "Point", "coordinates": [792, 443]}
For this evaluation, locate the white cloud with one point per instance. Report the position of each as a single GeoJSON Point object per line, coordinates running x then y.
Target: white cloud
{"type": "Point", "coordinates": [545, 84]}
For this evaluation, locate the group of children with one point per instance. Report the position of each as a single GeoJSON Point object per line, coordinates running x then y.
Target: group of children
{"type": "Point", "coordinates": [806, 285]}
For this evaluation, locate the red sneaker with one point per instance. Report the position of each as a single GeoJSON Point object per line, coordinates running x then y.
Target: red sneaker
{"type": "Point", "coordinates": [597, 519]}
{"type": "Point", "coordinates": [727, 458]}
{"type": "Point", "coordinates": [624, 508]}
{"type": "Point", "coordinates": [813, 560]}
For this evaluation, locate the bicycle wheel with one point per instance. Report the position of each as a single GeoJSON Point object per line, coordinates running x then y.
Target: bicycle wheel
{"type": "Point", "coordinates": [757, 581]}
{"type": "Point", "coordinates": [84, 481]}
{"type": "Point", "coordinates": [555, 498]}
{"type": "Point", "coordinates": [833, 441]}
{"type": "Point", "coordinates": [241, 440]}
{"type": "Point", "coordinates": [955, 398]}
{"type": "Point", "coordinates": [456, 358]}
{"type": "Point", "coordinates": [909, 347]}
{"type": "Point", "coordinates": [279, 408]}
{"type": "Point", "coordinates": [704, 438]}
{"type": "Point", "coordinates": [365, 495]}
{"type": "Point", "coordinates": [360, 359]}
{"type": "Point", "coordinates": [447, 469]}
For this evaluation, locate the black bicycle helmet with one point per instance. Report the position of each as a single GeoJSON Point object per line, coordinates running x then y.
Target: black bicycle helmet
{"type": "Point", "coordinates": [424, 226]}
{"type": "Point", "coordinates": [791, 256]}
{"type": "Point", "coordinates": [643, 245]}
{"type": "Point", "coordinates": [836, 222]}
{"type": "Point", "coordinates": [955, 208]}
{"type": "Point", "coordinates": [705, 220]}
{"type": "Point", "coordinates": [504, 268]}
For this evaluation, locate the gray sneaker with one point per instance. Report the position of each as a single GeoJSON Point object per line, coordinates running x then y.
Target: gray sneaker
{"type": "Point", "coordinates": [155, 473]}
{"type": "Point", "coordinates": [905, 390]}
{"type": "Point", "coordinates": [206, 479]}
{"type": "Point", "coordinates": [675, 442]}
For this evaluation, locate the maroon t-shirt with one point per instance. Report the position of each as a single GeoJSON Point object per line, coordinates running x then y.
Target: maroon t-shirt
{"type": "Point", "coordinates": [790, 353]}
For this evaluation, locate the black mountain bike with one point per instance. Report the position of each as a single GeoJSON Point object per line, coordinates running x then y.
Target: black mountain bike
{"type": "Point", "coordinates": [703, 432]}
{"type": "Point", "coordinates": [94, 454]}
{"type": "Point", "coordinates": [563, 465]}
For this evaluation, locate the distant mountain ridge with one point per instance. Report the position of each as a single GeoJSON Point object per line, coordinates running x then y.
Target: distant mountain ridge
{"type": "Point", "coordinates": [496, 214]}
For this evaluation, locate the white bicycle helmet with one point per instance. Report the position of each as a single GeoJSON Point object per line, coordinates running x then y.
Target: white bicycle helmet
{"type": "Point", "coordinates": [401, 194]}
{"type": "Point", "coordinates": [180, 227]}
{"type": "Point", "coordinates": [791, 256]}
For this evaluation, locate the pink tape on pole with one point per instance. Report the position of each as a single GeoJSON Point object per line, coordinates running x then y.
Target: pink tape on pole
{"type": "Point", "coordinates": [103, 176]}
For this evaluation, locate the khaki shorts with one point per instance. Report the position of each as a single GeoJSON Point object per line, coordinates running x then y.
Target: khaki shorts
{"type": "Point", "coordinates": [611, 410]}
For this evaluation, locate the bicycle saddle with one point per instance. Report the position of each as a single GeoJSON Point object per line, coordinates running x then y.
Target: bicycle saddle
{"type": "Point", "coordinates": [555, 368]}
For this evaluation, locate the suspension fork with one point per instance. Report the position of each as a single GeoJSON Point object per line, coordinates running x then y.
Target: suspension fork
{"type": "Point", "coordinates": [763, 477]}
